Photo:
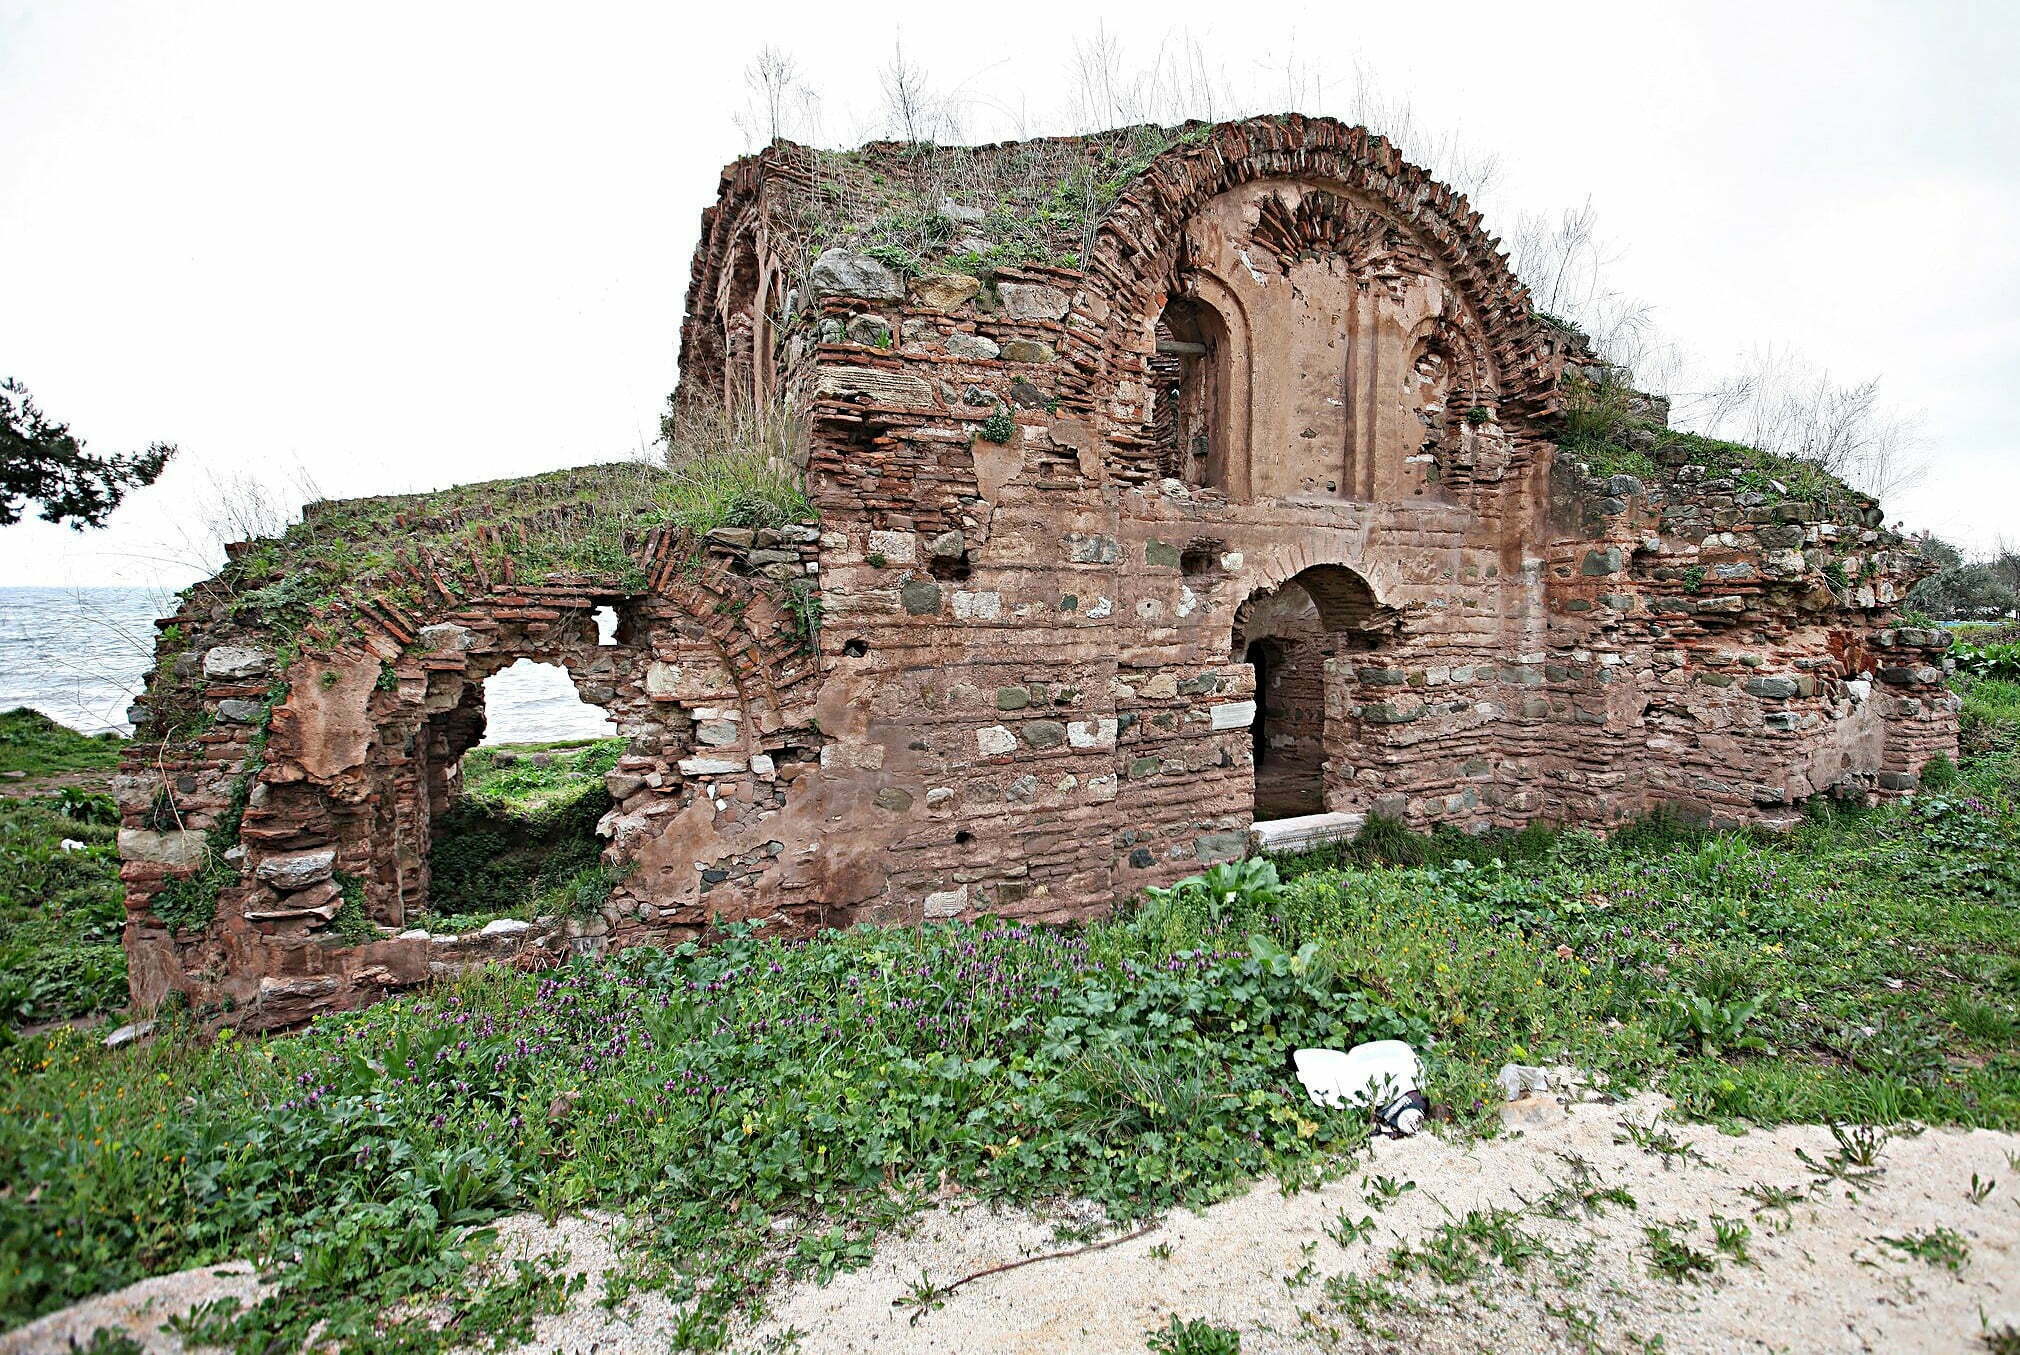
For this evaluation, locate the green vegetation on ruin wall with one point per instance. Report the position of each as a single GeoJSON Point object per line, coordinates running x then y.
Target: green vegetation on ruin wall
{"type": "Point", "coordinates": [765, 1107]}
{"type": "Point", "coordinates": [1600, 430]}
{"type": "Point", "coordinates": [1040, 201]}
{"type": "Point", "coordinates": [586, 522]}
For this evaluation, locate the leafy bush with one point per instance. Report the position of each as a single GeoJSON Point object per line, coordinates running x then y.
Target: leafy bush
{"type": "Point", "coordinates": [1196, 1337]}
{"type": "Point", "coordinates": [1996, 660]}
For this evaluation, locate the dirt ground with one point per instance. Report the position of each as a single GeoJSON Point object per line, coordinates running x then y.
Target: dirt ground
{"type": "Point", "coordinates": [1576, 1269]}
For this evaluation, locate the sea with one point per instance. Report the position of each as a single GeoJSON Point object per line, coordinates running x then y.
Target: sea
{"type": "Point", "coordinates": [79, 655]}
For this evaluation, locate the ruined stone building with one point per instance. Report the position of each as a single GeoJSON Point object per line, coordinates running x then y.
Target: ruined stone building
{"type": "Point", "coordinates": [1227, 505]}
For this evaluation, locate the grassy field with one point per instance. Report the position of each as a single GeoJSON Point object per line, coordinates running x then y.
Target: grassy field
{"type": "Point", "coordinates": [35, 745]}
{"type": "Point", "coordinates": [763, 1107]}
{"type": "Point", "coordinates": [61, 906]}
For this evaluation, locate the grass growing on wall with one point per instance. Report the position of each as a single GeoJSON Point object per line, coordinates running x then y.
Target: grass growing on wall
{"type": "Point", "coordinates": [733, 466]}
{"type": "Point", "coordinates": [1600, 430]}
{"type": "Point", "coordinates": [765, 1107]}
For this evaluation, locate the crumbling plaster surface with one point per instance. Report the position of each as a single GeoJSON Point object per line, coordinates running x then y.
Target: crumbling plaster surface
{"type": "Point", "coordinates": [1025, 696]}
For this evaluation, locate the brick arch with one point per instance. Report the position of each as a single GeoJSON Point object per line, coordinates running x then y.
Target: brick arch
{"type": "Point", "coordinates": [1139, 244]}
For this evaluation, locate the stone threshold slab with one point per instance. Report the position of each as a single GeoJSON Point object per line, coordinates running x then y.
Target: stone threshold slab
{"type": "Point", "coordinates": [1304, 832]}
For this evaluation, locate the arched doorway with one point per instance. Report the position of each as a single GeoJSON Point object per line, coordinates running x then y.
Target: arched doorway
{"type": "Point", "coordinates": [1290, 635]}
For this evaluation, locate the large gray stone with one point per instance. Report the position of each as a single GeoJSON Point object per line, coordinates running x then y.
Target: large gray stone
{"type": "Point", "coordinates": [973, 346]}
{"type": "Point", "coordinates": [1044, 733]}
{"type": "Point", "coordinates": [886, 388]}
{"type": "Point", "coordinates": [841, 273]}
{"type": "Point", "coordinates": [175, 850]}
{"type": "Point", "coordinates": [446, 638]}
{"type": "Point", "coordinates": [297, 870]}
{"type": "Point", "coordinates": [1033, 301]}
{"type": "Point", "coordinates": [1772, 688]}
{"type": "Point", "coordinates": [240, 711]}
{"type": "Point", "coordinates": [234, 662]}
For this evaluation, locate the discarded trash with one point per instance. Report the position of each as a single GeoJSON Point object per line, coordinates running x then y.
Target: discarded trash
{"type": "Point", "coordinates": [1382, 1075]}
{"type": "Point", "coordinates": [1518, 1080]}
{"type": "Point", "coordinates": [127, 1034]}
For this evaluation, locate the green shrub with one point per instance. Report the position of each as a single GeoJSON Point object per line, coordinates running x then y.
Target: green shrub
{"type": "Point", "coordinates": [1196, 1337]}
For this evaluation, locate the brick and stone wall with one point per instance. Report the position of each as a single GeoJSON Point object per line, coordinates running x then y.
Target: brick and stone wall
{"type": "Point", "coordinates": [1037, 582]}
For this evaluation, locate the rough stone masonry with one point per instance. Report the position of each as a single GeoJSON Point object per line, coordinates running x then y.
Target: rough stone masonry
{"type": "Point", "coordinates": [1255, 513]}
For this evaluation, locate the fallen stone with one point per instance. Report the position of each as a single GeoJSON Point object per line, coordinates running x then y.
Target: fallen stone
{"type": "Point", "coordinates": [1517, 1080]}
{"type": "Point", "coordinates": [128, 1033]}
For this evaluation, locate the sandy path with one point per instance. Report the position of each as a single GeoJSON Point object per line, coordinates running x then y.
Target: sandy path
{"type": "Point", "coordinates": [1818, 1279]}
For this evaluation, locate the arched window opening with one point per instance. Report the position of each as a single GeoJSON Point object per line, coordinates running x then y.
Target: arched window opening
{"type": "Point", "coordinates": [1188, 394]}
{"type": "Point", "coordinates": [516, 790]}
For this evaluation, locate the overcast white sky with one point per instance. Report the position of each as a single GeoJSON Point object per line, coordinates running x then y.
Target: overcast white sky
{"type": "Point", "coordinates": [402, 246]}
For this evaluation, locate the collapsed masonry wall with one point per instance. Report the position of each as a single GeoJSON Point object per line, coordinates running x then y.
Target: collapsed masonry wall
{"type": "Point", "coordinates": [1029, 691]}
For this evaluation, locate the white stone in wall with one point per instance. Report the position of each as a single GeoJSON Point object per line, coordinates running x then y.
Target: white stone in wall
{"type": "Point", "coordinates": [1101, 789]}
{"type": "Point", "coordinates": [995, 740]}
{"type": "Point", "coordinates": [1233, 715]}
{"type": "Point", "coordinates": [1102, 607]}
{"type": "Point", "coordinates": [762, 764]}
{"type": "Point", "coordinates": [710, 766]}
{"type": "Point", "coordinates": [176, 850]}
{"type": "Point", "coordinates": [898, 548]}
{"type": "Point", "coordinates": [978, 606]}
{"type": "Point", "coordinates": [1091, 733]}
{"type": "Point", "coordinates": [947, 903]}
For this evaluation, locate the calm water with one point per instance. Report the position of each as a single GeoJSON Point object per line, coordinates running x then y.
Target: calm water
{"type": "Point", "coordinates": [77, 655]}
